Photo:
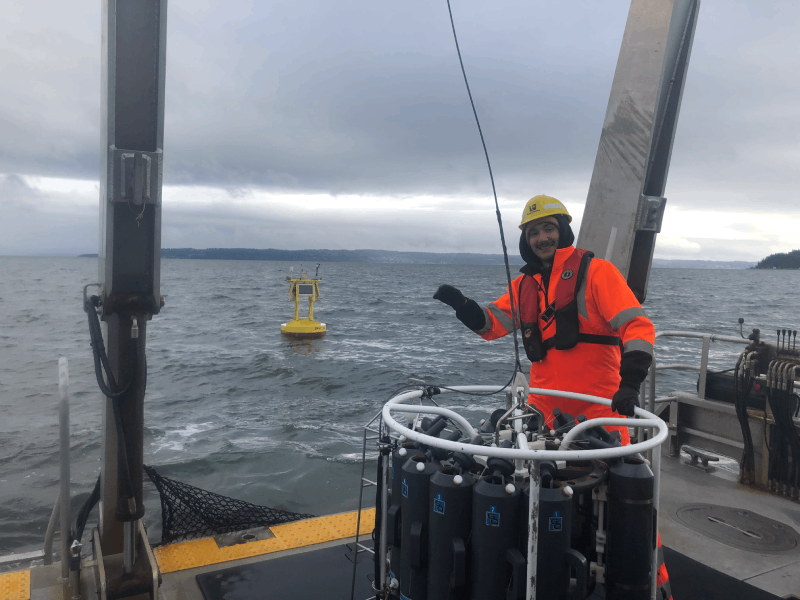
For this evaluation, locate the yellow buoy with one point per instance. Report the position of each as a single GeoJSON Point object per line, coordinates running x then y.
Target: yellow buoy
{"type": "Point", "coordinates": [303, 287]}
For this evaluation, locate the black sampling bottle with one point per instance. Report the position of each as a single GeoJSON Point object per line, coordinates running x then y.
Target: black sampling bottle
{"type": "Point", "coordinates": [497, 568]}
{"type": "Point", "coordinates": [400, 455]}
{"type": "Point", "coordinates": [556, 561]}
{"type": "Point", "coordinates": [414, 487]}
{"type": "Point", "coordinates": [631, 539]}
{"type": "Point", "coordinates": [450, 521]}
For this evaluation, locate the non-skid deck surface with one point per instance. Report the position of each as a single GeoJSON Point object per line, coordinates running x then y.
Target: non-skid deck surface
{"type": "Point", "coordinates": [204, 552]}
{"type": "Point", "coordinates": [325, 573]}
{"type": "Point", "coordinates": [15, 586]}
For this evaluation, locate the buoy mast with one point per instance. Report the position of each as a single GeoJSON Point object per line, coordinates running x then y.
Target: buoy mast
{"type": "Point", "coordinates": [304, 287]}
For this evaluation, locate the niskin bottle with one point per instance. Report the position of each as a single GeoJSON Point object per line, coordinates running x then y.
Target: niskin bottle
{"type": "Point", "coordinates": [631, 539]}
{"type": "Point", "coordinates": [556, 560]}
{"type": "Point", "coordinates": [399, 457]}
{"type": "Point", "coordinates": [449, 518]}
{"type": "Point", "coordinates": [497, 568]}
{"type": "Point", "coordinates": [414, 486]}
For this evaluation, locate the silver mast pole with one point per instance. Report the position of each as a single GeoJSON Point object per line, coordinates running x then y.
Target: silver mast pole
{"type": "Point", "coordinates": [132, 133]}
{"type": "Point", "coordinates": [625, 204]}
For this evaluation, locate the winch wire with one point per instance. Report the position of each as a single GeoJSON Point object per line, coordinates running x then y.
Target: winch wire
{"type": "Point", "coordinates": [517, 365]}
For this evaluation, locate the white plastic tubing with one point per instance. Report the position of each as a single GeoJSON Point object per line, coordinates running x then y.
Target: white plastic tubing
{"type": "Point", "coordinates": [646, 419]}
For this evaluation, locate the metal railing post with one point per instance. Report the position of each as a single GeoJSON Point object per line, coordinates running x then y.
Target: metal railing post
{"type": "Point", "coordinates": [701, 384]}
{"type": "Point", "coordinates": [51, 531]}
{"type": "Point", "coordinates": [651, 403]}
{"type": "Point", "coordinates": [64, 496]}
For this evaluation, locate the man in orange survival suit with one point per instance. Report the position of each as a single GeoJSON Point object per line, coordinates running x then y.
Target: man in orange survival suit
{"type": "Point", "coordinates": [577, 312]}
{"type": "Point", "coordinates": [582, 328]}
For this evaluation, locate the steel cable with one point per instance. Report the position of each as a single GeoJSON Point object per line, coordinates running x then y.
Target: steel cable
{"type": "Point", "coordinates": [517, 365]}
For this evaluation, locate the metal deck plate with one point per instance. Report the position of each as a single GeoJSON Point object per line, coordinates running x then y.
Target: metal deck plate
{"type": "Point", "coordinates": [681, 484]}
{"type": "Point", "coordinates": [739, 528]}
{"type": "Point", "coordinates": [323, 573]}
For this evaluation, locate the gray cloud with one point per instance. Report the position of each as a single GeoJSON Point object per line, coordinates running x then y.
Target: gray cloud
{"type": "Point", "coordinates": [358, 96]}
{"type": "Point", "coordinates": [35, 222]}
{"type": "Point", "coordinates": [39, 221]}
{"type": "Point", "coordinates": [367, 98]}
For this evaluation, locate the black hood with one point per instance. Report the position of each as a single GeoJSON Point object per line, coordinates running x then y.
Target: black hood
{"type": "Point", "coordinates": [533, 264]}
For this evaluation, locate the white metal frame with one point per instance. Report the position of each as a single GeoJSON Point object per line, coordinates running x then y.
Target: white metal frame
{"type": "Point", "coordinates": [645, 419]}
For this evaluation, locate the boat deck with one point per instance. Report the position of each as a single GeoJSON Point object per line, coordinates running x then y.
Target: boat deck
{"type": "Point", "coordinates": [204, 569]}
{"type": "Point", "coordinates": [757, 558]}
{"type": "Point", "coordinates": [749, 535]}
{"type": "Point", "coordinates": [732, 540]}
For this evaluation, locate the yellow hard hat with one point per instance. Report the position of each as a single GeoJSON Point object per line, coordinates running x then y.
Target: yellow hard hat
{"type": "Point", "coordinates": [542, 206]}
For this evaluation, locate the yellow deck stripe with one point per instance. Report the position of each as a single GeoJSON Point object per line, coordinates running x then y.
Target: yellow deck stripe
{"type": "Point", "coordinates": [15, 586]}
{"type": "Point", "coordinates": [204, 552]}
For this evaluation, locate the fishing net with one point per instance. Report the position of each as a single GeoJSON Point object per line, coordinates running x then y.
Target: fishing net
{"type": "Point", "coordinates": [189, 512]}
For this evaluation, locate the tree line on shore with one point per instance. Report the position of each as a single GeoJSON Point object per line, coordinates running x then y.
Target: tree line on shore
{"type": "Point", "coordinates": [781, 260]}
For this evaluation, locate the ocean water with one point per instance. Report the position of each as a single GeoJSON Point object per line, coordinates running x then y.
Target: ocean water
{"type": "Point", "coordinates": [234, 408]}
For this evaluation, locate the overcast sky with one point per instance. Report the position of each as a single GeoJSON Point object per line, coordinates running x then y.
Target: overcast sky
{"type": "Point", "coordinates": [319, 124]}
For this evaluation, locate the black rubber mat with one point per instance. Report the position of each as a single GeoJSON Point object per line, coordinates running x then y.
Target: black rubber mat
{"type": "Point", "coordinates": [691, 580]}
{"type": "Point", "coordinates": [324, 573]}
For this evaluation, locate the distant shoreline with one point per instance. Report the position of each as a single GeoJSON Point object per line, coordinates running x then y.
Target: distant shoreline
{"type": "Point", "coordinates": [781, 260]}
{"type": "Point", "coordinates": [395, 257]}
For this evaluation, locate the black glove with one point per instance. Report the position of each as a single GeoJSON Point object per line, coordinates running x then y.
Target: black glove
{"type": "Point", "coordinates": [625, 400]}
{"type": "Point", "coordinates": [471, 315]}
{"type": "Point", "coordinates": [467, 311]}
{"type": "Point", "coordinates": [450, 295]}
{"type": "Point", "coordinates": [632, 371]}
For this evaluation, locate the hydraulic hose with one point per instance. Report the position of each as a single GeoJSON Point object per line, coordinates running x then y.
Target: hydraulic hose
{"type": "Point", "coordinates": [99, 350]}
{"type": "Point", "coordinates": [780, 402]}
{"type": "Point", "coordinates": [744, 379]}
{"type": "Point", "coordinates": [90, 305]}
{"type": "Point", "coordinates": [83, 513]}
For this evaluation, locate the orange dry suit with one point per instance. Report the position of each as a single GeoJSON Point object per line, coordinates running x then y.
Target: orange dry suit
{"type": "Point", "coordinates": [575, 325]}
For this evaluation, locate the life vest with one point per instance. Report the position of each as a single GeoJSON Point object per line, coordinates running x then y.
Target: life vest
{"type": "Point", "coordinates": [563, 310]}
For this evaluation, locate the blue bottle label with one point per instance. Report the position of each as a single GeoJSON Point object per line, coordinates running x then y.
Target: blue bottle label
{"type": "Point", "coordinates": [492, 517]}
{"type": "Point", "coordinates": [438, 504]}
{"type": "Point", "coordinates": [556, 521]}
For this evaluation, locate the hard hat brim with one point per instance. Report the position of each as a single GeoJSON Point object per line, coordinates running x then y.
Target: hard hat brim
{"type": "Point", "coordinates": [524, 224]}
{"type": "Point", "coordinates": [542, 206]}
